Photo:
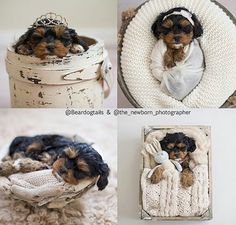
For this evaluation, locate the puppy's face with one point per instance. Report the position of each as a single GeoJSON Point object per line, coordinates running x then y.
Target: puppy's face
{"type": "Point", "coordinates": [76, 164]}
{"type": "Point", "coordinates": [178, 145]}
{"type": "Point", "coordinates": [176, 30]}
{"type": "Point", "coordinates": [50, 41]}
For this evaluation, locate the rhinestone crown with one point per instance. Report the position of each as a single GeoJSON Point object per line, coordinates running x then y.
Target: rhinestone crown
{"type": "Point", "coordinates": [50, 20]}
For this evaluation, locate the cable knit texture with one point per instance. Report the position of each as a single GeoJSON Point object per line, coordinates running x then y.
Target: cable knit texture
{"type": "Point", "coordinates": [168, 198]}
{"type": "Point", "coordinates": [218, 44]}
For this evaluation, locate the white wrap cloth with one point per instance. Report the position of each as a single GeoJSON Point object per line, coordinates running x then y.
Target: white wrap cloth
{"type": "Point", "coordinates": [181, 79]}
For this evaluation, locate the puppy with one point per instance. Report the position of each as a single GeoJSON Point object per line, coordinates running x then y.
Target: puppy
{"type": "Point", "coordinates": [178, 146]}
{"type": "Point", "coordinates": [177, 59]}
{"type": "Point", "coordinates": [71, 160]}
{"type": "Point", "coordinates": [43, 39]}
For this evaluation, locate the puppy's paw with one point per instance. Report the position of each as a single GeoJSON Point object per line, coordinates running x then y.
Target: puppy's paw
{"type": "Point", "coordinates": [187, 178]}
{"type": "Point", "coordinates": [157, 175]}
{"type": "Point", "coordinates": [24, 50]}
{"type": "Point", "coordinates": [179, 55]}
{"type": "Point", "coordinates": [169, 59]}
{"type": "Point", "coordinates": [76, 49]}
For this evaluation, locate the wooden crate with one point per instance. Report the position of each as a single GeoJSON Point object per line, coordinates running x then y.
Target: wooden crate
{"type": "Point", "coordinates": [208, 214]}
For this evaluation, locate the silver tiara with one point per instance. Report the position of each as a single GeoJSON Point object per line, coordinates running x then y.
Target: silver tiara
{"type": "Point", "coordinates": [50, 20]}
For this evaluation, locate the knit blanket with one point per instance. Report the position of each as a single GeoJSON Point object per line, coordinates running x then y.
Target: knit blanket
{"type": "Point", "coordinates": [218, 44]}
{"type": "Point", "coordinates": [168, 197]}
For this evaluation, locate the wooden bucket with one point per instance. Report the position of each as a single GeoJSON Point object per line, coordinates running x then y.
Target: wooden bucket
{"type": "Point", "coordinates": [81, 80]}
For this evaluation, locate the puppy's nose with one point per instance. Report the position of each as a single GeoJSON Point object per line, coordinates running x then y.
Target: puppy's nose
{"type": "Point", "coordinates": [50, 48]}
{"type": "Point", "coordinates": [177, 39]}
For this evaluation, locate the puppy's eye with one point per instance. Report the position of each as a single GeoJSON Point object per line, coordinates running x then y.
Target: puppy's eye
{"type": "Point", "coordinates": [37, 38]}
{"type": "Point", "coordinates": [65, 40]}
{"type": "Point", "coordinates": [80, 174]}
{"type": "Point", "coordinates": [187, 29]}
{"type": "Point", "coordinates": [170, 146]}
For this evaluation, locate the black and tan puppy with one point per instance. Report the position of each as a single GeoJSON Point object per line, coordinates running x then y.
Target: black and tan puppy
{"type": "Point", "coordinates": [177, 28]}
{"type": "Point", "coordinates": [50, 37]}
{"type": "Point", "coordinates": [70, 159]}
{"type": "Point", "coordinates": [178, 146]}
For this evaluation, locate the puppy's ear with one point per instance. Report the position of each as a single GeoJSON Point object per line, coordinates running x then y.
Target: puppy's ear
{"type": "Point", "coordinates": [156, 26]}
{"type": "Point", "coordinates": [103, 179]}
{"type": "Point", "coordinates": [77, 40]}
{"type": "Point", "coordinates": [24, 38]}
{"type": "Point", "coordinates": [197, 30]}
{"type": "Point", "coordinates": [190, 143]}
{"type": "Point", "coordinates": [15, 144]}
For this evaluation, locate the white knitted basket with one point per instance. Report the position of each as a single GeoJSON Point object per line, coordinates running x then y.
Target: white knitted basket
{"type": "Point", "coordinates": [218, 44]}
{"type": "Point", "coordinates": [77, 80]}
{"type": "Point", "coordinates": [168, 198]}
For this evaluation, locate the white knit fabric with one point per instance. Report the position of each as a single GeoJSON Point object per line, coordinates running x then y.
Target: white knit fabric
{"type": "Point", "coordinates": [218, 44]}
{"type": "Point", "coordinates": [168, 198]}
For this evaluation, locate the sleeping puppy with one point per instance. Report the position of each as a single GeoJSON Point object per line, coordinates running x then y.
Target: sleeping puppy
{"type": "Point", "coordinates": [178, 146]}
{"type": "Point", "coordinates": [69, 159]}
{"type": "Point", "coordinates": [177, 59]}
{"type": "Point", "coordinates": [48, 37]}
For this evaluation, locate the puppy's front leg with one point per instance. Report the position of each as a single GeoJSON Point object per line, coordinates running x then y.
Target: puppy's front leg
{"type": "Point", "coordinates": [178, 55]}
{"type": "Point", "coordinates": [157, 175]}
{"type": "Point", "coordinates": [169, 58]}
{"type": "Point", "coordinates": [187, 178]}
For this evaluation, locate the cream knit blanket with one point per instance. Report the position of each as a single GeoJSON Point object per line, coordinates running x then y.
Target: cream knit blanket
{"type": "Point", "coordinates": [168, 198]}
{"type": "Point", "coordinates": [218, 44]}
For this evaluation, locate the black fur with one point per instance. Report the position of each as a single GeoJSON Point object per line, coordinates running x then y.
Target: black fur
{"type": "Point", "coordinates": [157, 27]}
{"type": "Point", "coordinates": [178, 138]}
{"type": "Point", "coordinates": [55, 146]}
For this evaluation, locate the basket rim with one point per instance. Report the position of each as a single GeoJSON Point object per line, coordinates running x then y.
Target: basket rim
{"type": "Point", "coordinates": [120, 77]}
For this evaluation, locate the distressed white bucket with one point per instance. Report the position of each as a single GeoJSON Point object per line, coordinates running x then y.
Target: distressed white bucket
{"type": "Point", "coordinates": [81, 80]}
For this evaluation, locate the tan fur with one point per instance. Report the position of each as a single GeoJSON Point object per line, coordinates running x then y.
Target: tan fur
{"type": "Point", "coordinates": [82, 165]}
{"type": "Point", "coordinates": [59, 30]}
{"type": "Point", "coordinates": [187, 178]}
{"type": "Point", "coordinates": [167, 23]}
{"type": "Point", "coordinates": [57, 165]}
{"type": "Point", "coordinates": [69, 177]}
{"type": "Point", "coordinates": [34, 147]}
{"type": "Point", "coordinates": [169, 59]}
{"type": "Point", "coordinates": [184, 22]}
{"type": "Point", "coordinates": [71, 153]}
{"type": "Point", "coordinates": [157, 175]}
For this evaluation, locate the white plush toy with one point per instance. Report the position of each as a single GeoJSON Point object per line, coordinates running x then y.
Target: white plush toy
{"type": "Point", "coordinates": [161, 158]}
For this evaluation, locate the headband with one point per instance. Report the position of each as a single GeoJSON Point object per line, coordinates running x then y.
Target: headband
{"type": "Point", "coordinates": [183, 13]}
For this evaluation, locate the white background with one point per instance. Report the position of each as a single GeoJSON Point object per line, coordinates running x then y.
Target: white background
{"type": "Point", "coordinates": [223, 130]}
{"type": "Point", "coordinates": [126, 4]}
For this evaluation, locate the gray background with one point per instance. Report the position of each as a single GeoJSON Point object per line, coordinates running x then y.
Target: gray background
{"type": "Point", "coordinates": [124, 5]}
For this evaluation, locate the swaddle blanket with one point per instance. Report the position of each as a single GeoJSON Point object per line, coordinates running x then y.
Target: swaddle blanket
{"type": "Point", "coordinates": [181, 79]}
